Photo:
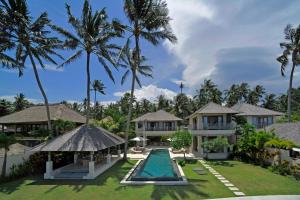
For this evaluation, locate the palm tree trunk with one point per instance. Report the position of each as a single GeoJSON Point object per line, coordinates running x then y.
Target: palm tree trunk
{"type": "Point", "coordinates": [4, 163]}
{"type": "Point", "coordinates": [41, 88]}
{"type": "Point", "coordinates": [88, 87]}
{"type": "Point", "coordinates": [290, 93]}
{"type": "Point", "coordinates": [137, 61]}
{"type": "Point", "coordinates": [95, 98]}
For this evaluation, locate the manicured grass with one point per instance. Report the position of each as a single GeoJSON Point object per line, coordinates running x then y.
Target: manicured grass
{"type": "Point", "coordinates": [255, 180]}
{"type": "Point", "coordinates": [107, 187]}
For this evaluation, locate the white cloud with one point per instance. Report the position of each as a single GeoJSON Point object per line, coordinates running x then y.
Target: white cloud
{"type": "Point", "coordinates": [204, 27]}
{"type": "Point", "coordinates": [150, 92]}
{"type": "Point", "coordinates": [51, 67]}
{"type": "Point", "coordinates": [187, 16]}
{"type": "Point", "coordinates": [11, 98]}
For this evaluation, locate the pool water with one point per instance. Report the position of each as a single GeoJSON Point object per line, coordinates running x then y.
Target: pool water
{"type": "Point", "coordinates": [158, 166]}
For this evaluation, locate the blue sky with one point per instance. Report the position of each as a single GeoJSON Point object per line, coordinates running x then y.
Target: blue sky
{"type": "Point", "coordinates": [227, 41]}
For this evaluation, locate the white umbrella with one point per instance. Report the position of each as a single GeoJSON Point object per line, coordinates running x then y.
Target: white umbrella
{"type": "Point", "coordinates": [139, 139]}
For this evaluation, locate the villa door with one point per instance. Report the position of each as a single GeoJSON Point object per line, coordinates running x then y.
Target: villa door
{"type": "Point", "coordinates": [195, 143]}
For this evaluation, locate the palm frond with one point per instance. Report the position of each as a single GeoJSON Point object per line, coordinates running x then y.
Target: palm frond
{"type": "Point", "coordinates": [125, 76]}
{"type": "Point", "coordinates": [72, 58]}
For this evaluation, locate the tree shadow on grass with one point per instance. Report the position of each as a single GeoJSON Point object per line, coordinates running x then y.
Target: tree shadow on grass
{"type": "Point", "coordinates": [180, 192]}
{"type": "Point", "coordinates": [222, 163]}
{"type": "Point", "coordinates": [12, 186]}
{"type": "Point", "coordinates": [117, 172]}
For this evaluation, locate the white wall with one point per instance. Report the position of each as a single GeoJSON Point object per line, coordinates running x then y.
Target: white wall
{"type": "Point", "coordinates": [14, 159]}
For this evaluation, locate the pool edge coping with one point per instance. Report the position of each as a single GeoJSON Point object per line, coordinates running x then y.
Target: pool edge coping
{"type": "Point", "coordinates": [183, 182]}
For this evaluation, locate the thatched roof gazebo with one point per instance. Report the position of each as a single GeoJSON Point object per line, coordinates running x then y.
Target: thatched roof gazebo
{"type": "Point", "coordinates": [86, 138]}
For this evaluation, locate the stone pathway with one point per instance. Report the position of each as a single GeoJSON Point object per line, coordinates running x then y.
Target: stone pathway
{"type": "Point", "coordinates": [222, 179]}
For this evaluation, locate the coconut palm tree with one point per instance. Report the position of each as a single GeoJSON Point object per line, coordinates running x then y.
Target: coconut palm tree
{"type": "Point", "coordinates": [5, 142]}
{"type": "Point", "coordinates": [270, 102]}
{"type": "Point", "coordinates": [148, 20]}
{"type": "Point", "coordinates": [6, 43]}
{"type": "Point", "coordinates": [20, 102]}
{"type": "Point", "coordinates": [97, 86]}
{"type": "Point", "coordinates": [31, 40]}
{"type": "Point", "coordinates": [93, 36]}
{"type": "Point", "coordinates": [208, 92]}
{"type": "Point", "coordinates": [291, 48]}
{"type": "Point", "coordinates": [255, 95]}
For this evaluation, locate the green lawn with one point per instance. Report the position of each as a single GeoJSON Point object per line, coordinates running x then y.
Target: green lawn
{"type": "Point", "coordinates": [255, 180]}
{"type": "Point", "coordinates": [107, 187]}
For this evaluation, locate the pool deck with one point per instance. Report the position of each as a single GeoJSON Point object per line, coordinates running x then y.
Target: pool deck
{"type": "Point", "coordinates": [138, 156]}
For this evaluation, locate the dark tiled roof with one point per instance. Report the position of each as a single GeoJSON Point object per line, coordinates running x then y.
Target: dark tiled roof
{"type": "Point", "coordinates": [160, 115]}
{"type": "Point", "coordinates": [38, 114]}
{"type": "Point", "coordinates": [246, 109]}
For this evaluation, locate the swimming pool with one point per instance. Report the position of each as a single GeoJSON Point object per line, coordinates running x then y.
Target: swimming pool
{"type": "Point", "coordinates": [158, 166]}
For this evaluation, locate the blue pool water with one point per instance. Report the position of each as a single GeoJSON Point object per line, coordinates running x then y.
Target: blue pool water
{"type": "Point", "coordinates": [158, 166]}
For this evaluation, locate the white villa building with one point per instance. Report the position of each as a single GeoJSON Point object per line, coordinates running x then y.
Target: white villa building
{"type": "Point", "coordinates": [156, 124]}
{"type": "Point", "coordinates": [257, 116]}
{"type": "Point", "coordinates": [207, 123]}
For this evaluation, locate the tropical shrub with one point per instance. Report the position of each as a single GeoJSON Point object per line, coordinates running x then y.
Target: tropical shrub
{"type": "Point", "coordinates": [283, 168]}
{"type": "Point", "coordinates": [280, 144]}
{"type": "Point", "coordinates": [251, 144]}
{"type": "Point", "coordinates": [20, 170]}
{"type": "Point", "coordinates": [181, 140]}
{"type": "Point", "coordinates": [215, 145]}
{"type": "Point", "coordinates": [181, 163]}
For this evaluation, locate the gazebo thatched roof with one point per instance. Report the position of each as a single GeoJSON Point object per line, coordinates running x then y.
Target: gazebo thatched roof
{"type": "Point", "coordinates": [84, 138]}
{"type": "Point", "coordinates": [37, 114]}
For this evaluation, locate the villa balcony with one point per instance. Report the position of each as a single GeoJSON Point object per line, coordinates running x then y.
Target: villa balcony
{"type": "Point", "coordinates": [213, 129]}
{"type": "Point", "coordinates": [160, 129]}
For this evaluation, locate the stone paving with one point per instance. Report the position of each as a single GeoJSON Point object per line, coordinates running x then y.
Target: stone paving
{"type": "Point", "coordinates": [222, 179]}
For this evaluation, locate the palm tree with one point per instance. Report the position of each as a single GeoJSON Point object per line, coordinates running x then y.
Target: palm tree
{"type": "Point", "coordinates": [255, 95]}
{"type": "Point", "coordinates": [5, 107]}
{"type": "Point", "coordinates": [97, 86]}
{"type": "Point", "coordinates": [148, 20]}
{"type": "Point", "coordinates": [93, 36]}
{"type": "Point", "coordinates": [20, 102]}
{"type": "Point", "coordinates": [291, 47]}
{"type": "Point", "coordinates": [208, 92]}
{"type": "Point", "coordinates": [31, 40]}
{"type": "Point", "coordinates": [270, 102]}
{"type": "Point", "coordinates": [6, 44]}
{"type": "Point", "coordinates": [5, 142]}
{"type": "Point", "coordinates": [163, 103]}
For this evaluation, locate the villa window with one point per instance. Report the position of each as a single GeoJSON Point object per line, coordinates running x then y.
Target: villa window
{"type": "Point", "coordinates": [212, 122]}
{"type": "Point", "coordinates": [140, 125]}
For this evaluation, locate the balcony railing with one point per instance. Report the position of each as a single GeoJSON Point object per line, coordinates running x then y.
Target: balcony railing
{"type": "Point", "coordinates": [160, 129]}
{"type": "Point", "coordinates": [227, 126]}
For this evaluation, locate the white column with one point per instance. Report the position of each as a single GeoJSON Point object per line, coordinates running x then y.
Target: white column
{"type": "Point", "coordinates": [75, 157]}
{"type": "Point", "coordinates": [108, 158]}
{"type": "Point", "coordinates": [91, 167]}
{"type": "Point", "coordinates": [119, 151]}
{"type": "Point", "coordinates": [49, 168]}
{"type": "Point", "coordinates": [145, 137]}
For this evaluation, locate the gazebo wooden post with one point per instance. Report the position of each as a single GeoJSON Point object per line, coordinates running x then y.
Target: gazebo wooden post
{"type": "Point", "coordinates": [49, 168]}
{"type": "Point", "coordinates": [91, 174]}
{"type": "Point", "coordinates": [108, 158]}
